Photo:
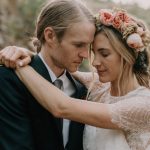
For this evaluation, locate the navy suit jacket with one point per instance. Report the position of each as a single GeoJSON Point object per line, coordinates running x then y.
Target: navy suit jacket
{"type": "Point", "coordinates": [24, 123]}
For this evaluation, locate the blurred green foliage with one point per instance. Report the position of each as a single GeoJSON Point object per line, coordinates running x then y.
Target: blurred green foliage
{"type": "Point", "coordinates": [17, 25]}
{"type": "Point", "coordinates": [28, 11]}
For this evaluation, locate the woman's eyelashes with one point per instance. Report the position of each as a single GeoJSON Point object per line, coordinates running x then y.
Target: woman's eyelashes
{"type": "Point", "coordinates": [103, 52]}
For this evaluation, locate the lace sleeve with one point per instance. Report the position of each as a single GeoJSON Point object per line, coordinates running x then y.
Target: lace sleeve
{"type": "Point", "coordinates": [131, 114]}
{"type": "Point", "coordinates": [87, 78]}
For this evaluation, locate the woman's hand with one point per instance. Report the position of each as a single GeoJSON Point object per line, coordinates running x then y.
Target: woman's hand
{"type": "Point", "coordinates": [13, 56]}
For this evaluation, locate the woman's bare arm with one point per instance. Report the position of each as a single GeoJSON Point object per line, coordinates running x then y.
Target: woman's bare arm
{"type": "Point", "coordinates": [60, 105]}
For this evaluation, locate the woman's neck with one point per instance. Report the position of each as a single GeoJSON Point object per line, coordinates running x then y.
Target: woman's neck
{"type": "Point", "coordinates": [128, 85]}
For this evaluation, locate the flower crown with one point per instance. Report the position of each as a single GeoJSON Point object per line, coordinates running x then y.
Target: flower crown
{"type": "Point", "coordinates": [132, 30]}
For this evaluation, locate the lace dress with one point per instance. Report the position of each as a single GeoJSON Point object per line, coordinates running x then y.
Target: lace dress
{"type": "Point", "coordinates": [130, 112]}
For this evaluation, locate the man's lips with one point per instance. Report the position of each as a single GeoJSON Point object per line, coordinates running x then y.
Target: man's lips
{"type": "Point", "coordinates": [78, 62]}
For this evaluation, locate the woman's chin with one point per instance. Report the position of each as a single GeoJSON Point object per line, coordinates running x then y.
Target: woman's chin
{"type": "Point", "coordinates": [103, 80]}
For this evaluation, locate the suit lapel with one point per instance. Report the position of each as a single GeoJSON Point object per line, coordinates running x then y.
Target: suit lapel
{"type": "Point", "coordinates": [39, 66]}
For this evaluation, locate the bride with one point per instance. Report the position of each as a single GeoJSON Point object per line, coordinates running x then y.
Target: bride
{"type": "Point", "coordinates": [119, 99]}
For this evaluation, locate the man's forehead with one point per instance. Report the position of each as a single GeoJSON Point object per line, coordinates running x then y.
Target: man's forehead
{"type": "Point", "coordinates": [81, 31]}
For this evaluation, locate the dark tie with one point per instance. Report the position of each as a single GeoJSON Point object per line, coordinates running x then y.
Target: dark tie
{"type": "Point", "coordinates": [58, 83]}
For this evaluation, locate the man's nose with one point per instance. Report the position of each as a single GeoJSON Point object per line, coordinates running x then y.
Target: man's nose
{"type": "Point", "coordinates": [84, 53]}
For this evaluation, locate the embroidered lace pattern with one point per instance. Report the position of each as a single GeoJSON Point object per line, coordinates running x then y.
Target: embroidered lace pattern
{"type": "Point", "coordinates": [130, 112]}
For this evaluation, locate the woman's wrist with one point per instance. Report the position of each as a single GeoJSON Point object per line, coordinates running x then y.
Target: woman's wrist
{"type": "Point", "coordinates": [21, 70]}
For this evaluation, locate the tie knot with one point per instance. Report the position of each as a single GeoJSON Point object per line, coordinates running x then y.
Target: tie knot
{"type": "Point", "coordinates": [58, 83]}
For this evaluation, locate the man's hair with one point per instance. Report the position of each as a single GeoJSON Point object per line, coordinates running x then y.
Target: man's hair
{"type": "Point", "coordinates": [60, 14]}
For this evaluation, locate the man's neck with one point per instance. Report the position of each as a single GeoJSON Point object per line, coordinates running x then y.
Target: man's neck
{"type": "Point", "coordinates": [56, 70]}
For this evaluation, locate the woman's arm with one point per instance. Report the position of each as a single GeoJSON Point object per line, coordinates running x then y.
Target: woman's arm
{"type": "Point", "coordinates": [60, 105]}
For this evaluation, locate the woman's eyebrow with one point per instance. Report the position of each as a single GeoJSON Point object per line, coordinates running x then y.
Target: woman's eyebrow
{"type": "Point", "coordinates": [102, 49]}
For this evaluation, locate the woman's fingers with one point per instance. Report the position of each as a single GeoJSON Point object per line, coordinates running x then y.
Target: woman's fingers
{"type": "Point", "coordinates": [6, 58]}
{"type": "Point", "coordinates": [12, 55]}
{"type": "Point", "coordinates": [24, 62]}
{"type": "Point", "coordinates": [5, 55]}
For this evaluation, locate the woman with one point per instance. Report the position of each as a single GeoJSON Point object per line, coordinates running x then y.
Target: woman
{"type": "Point", "coordinates": [120, 107]}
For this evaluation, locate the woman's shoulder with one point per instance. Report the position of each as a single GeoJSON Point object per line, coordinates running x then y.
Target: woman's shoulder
{"type": "Point", "coordinates": [137, 97]}
{"type": "Point", "coordinates": [141, 93]}
{"type": "Point", "coordinates": [132, 113]}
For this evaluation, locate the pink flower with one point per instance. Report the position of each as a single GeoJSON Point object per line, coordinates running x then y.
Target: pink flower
{"type": "Point", "coordinates": [106, 17]}
{"type": "Point", "coordinates": [127, 25]}
{"type": "Point", "coordinates": [134, 41]}
{"type": "Point", "coordinates": [120, 17]}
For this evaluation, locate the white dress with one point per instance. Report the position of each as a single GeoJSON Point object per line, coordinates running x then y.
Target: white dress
{"type": "Point", "coordinates": [130, 112]}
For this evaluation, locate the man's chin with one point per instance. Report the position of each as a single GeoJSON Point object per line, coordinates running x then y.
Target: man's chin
{"type": "Point", "coordinates": [73, 69]}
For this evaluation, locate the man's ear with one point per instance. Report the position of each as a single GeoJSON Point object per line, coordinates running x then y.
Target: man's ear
{"type": "Point", "coordinates": [49, 35]}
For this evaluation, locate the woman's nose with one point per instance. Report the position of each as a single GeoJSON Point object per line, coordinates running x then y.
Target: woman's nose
{"type": "Point", "coordinates": [96, 61]}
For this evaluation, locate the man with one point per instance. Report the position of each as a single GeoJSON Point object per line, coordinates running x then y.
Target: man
{"type": "Point", "coordinates": [64, 31]}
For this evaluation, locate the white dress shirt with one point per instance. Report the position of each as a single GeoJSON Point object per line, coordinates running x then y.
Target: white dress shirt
{"type": "Point", "coordinates": [69, 90]}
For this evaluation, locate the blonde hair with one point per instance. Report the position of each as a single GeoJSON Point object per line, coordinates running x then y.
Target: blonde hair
{"type": "Point", "coordinates": [60, 14]}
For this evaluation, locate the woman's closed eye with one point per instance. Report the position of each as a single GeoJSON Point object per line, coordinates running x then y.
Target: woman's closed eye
{"type": "Point", "coordinates": [104, 52]}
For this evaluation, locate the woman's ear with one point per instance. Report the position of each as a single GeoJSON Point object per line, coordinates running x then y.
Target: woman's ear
{"type": "Point", "coordinates": [49, 35]}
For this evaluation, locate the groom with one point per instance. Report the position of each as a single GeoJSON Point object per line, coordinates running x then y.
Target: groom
{"type": "Point", "coordinates": [64, 31]}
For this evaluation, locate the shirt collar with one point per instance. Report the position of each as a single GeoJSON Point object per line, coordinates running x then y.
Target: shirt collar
{"type": "Point", "coordinates": [51, 73]}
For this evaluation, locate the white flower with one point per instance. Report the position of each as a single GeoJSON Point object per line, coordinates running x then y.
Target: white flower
{"type": "Point", "coordinates": [134, 41]}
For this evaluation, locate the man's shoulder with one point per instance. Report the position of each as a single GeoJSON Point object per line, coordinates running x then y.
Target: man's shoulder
{"type": "Point", "coordinates": [4, 71]}
{"type": "Point", "coordinates": [9, 75]}
{"type": "Point", "coordinates": [9, 82]}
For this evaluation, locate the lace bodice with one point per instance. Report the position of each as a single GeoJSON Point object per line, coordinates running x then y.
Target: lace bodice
{"type": "Point", "coordinates": [130, 112]}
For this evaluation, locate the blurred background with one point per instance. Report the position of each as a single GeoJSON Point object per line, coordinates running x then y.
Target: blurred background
{"type": "Point", "coordinates": [17, 18]}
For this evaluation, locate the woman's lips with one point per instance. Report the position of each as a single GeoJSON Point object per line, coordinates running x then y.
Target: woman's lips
{"type": "Point", "coordinates": [101, 72]}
